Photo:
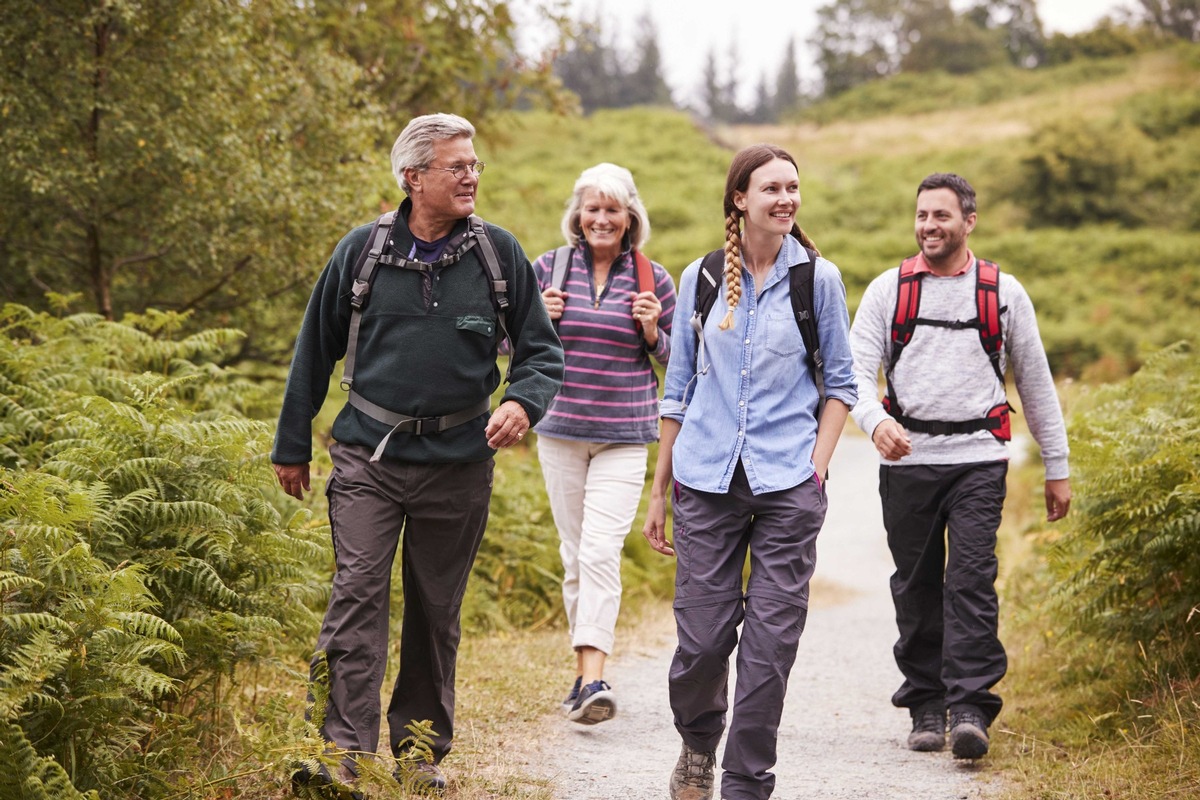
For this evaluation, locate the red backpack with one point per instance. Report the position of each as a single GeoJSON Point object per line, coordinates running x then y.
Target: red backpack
{"type": "Point", "coordinates": [987, 322]}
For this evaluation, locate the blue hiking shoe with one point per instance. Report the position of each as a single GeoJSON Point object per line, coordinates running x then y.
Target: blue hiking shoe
{"type": "Point", "coordinates": [569, 702]}
{"type": "Point", "coordinates": [595, 703]}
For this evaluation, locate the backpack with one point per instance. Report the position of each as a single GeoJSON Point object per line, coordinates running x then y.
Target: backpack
{"type": "Point", "coordinates": [906, 318]}
{"type": "Point", "coordinates": [800, 279]}
{"type": "Point", "coordinates": [562, 265]}
{"type": "Point", "coordinates": [377, 251]}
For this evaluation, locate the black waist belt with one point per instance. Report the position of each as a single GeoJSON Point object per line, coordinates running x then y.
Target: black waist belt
{"type": "Point", "coordinates": [417, 426]}
{"type": "Point", "coordinates": [941, 428]}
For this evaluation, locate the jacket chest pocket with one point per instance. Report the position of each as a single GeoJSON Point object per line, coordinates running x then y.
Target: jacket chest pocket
{"type": "Point", "coordinates": [473, 323]}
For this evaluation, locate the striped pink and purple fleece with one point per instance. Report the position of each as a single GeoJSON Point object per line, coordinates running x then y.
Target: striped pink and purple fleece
{"type": "Point", "coordinates": [610, 391]}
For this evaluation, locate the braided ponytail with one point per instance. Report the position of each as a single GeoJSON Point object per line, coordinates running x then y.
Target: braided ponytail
{"type": "Point", "coordinates": [733, 266]}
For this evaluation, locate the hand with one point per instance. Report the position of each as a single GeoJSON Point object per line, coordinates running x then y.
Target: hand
{"type": "Point", "coordinates": [556, 301]}
{"type": "Point", "coordinates": [646, 310]}
{"type": "Point", "coordinates": [655, 529]}
{"type": "Point", "coordinates": [1058, 499]}
{"type": "Point", "coordinates": [507, 425]}
{"type": "Point", "coordinates": [891, 440]}
{"type": "Point", "coordinates": [293, 478]}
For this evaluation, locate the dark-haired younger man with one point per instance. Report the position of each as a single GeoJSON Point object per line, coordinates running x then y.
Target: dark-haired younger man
{"type": "Point", "coordinates": [944, 461]}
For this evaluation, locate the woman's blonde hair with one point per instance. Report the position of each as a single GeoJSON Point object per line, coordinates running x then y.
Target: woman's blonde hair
{"type": "Point", "coordinates": [613, 182]}
{"type": "Point", "coordinates": [738, 180]}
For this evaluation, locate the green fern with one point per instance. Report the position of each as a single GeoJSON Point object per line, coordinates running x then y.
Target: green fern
{"type": "Point", "coordinates": [1131, 559]}
{"type": "Point", "coordinates": [148, 557]}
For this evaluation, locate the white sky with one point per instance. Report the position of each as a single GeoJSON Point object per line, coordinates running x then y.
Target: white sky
{"type": "Point", "coordinates": [689, 29]}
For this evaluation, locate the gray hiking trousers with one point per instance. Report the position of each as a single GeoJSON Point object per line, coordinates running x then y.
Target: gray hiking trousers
{"type": "Point", "coordinates": [711, 535]}
{"type": "Point", "coordinates": [442, 510]}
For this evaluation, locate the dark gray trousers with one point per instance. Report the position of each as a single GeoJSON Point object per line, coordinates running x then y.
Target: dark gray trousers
{"type": "Point", "coordinates": [712, 533]}
{"type": "Point", "coordinates": [941, 523]}
{"type": "Point", "coordinates": [442, 510]}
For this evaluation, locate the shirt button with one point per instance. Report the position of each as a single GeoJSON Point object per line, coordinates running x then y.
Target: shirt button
{"type": "Point", "coordinates": [752, 312]}
{"type": "Point", "coordinates": [743, 372]}
{"type": "Point", "coordinates": [741, 433]}
{"type": "Point", "coordinates": [741, 402]}
{"type": "Point", "coordinates": [435, 304]}
{"type": "Point", "coordinates": [746, 341]}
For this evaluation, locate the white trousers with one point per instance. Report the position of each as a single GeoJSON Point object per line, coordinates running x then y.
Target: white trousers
{"type": "Point", "coordinates": [594, 491]}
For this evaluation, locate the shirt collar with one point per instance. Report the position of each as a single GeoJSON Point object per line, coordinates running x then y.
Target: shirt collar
{"type": "Point", "coordinates": [923, 266]}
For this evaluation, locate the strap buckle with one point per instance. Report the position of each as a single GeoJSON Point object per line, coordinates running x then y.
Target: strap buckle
{"type": "Point", "coordinates": [425, 425]}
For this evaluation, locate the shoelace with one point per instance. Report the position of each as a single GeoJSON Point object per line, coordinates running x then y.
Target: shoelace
{"type": "Point", "coordinates": [697, 769]}
{"type": "Point", "coordinates": [967, 718]}
{"type": "Point", "coordinates": [930, 721]}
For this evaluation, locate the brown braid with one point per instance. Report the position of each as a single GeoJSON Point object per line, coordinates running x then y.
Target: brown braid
{"type": "Point", "coordinates": [733, 265]}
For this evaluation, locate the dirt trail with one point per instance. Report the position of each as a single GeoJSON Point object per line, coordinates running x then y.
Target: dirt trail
{"type": "Point", "coordinates": [840, 737]}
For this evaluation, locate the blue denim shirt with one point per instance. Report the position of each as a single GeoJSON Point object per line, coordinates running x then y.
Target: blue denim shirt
{"type": "Point", "coordinates": [756, 401]}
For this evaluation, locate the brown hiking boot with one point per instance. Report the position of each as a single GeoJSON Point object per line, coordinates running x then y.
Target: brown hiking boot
{"type": "Point", "coordinates": [692, 778]}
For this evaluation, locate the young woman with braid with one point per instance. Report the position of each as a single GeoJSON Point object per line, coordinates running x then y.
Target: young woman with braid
{"type": "Point", "coordinates": [745, 450]}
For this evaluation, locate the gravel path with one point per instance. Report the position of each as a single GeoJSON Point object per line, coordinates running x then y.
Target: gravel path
{"type": "Point", "coordinates": [840, 737]}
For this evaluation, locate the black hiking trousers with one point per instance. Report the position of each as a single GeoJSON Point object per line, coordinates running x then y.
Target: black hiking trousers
{"type": "Point", "coordinates": [941, 523]}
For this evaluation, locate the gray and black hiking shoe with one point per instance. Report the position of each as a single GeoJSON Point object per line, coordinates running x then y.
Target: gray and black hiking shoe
{"type": "Point", "coordinates": [968, 732]}
{"type": "Point", "coordinates": [692, 778]}
{"type": "Point", "coordinates": [928, 730]}
{"type": "Point", "coordinates": [420, 776]}
{"type": "Point", "coordinates": [312, 781]}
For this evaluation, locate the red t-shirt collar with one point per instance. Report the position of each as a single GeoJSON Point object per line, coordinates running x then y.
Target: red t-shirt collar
{"type": "Point", "coordinates": [923, 266]}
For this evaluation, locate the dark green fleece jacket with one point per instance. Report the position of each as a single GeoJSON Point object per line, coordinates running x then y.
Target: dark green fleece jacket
{"type": "Point", "coordinates": [427, 346]}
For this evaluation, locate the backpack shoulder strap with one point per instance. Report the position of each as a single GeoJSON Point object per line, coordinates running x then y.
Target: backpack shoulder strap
{"type": "Point", "coordinates": [360, 291]}
{"type": "Point", "coordinates": [645, 272]}
{"type": "Point", "coordinates": [491, 265]}
{"type": "Point", "coordinates": [708, 282]}
{"type": "Point", "coordinates": [801, 278]}
{"type": "Point", "coordinates": [987, 302]}
{"type": "Point", "coordinates": [904, 321]}
{"type": "Point", "coordinates": [561, 266]}
{"type": "Point", "coordinates": [908, 303]}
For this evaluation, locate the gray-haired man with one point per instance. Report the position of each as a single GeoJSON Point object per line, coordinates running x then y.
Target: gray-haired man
{"type": "Point", "coordinates": [414, 444]}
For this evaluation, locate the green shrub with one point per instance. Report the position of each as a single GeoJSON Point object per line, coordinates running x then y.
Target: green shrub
{"type": "Point", "coordinates": [142, 562]}
{"type": "Point", "coordinates": [1076, 173]}
{"type": "Point", "coordinates": [1130, 562]}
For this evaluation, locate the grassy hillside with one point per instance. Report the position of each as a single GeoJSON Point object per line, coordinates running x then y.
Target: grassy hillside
{"type": "Point", "coordinates": [1104, 290]}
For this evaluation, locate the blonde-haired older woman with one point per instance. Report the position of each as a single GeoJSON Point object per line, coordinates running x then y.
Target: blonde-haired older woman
{"type": "Point", "coordinates": [592, 441]}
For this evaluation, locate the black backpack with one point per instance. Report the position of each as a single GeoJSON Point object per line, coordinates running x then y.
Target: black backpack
{"type": "Point", "coordinates": [800, 278]}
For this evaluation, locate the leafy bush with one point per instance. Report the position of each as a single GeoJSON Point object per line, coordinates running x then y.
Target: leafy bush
{"type": "Point", "coordinates": [1131, 560]}
{"type": "Point", "coordinates": [142, 563]}
{"type": "Point", "coordinates": [1080, 172]}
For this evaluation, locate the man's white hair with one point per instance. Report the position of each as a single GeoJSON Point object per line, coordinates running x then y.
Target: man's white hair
{"type": "Point", "coordinates": [414, 146]}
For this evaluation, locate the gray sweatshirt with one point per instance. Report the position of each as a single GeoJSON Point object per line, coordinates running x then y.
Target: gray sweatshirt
{"type": "Point", "coordinates": [944, 374]}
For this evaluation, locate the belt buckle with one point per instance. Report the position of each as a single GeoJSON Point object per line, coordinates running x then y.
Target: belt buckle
{"type": "Point", "coordinates": [424, 425]}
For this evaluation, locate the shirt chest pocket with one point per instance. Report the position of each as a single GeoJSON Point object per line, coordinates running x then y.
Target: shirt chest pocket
{"type": "Point", "coordinates": [783, 335]}
{"type": "Point", "coordinates": [473, 323]}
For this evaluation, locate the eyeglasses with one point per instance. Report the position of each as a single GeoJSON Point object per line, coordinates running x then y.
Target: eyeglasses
{"type": "Point", "coordinates": [460, 171]}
